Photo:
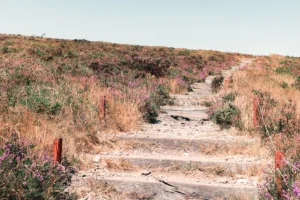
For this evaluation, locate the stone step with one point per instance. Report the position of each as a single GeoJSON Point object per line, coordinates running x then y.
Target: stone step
{"type": "Point", "coordinates": [209, 79]}
{"type": "Point", "coordinates": [189, 115]}
{"type": "Point", "coordinates": [183, 108]}
{"type": "Point", "coordinates": [173, 188]}
{"type": "Point", "coordinates": [204, 86]}
{"type": "Point", "coordinates": [189, 103]}
{"type": "Point", "coordinates": [152, 161]}
{"type": "Point", "coordinates": [200, 94]}
{"type": "Point", "coordinates": [188, 97]}
{"type": "Point", "coordinates": [209, 144]}
{"type": "Point", "coordinates": [168, 127]}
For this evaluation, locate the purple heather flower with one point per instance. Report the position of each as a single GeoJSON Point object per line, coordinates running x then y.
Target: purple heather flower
{"type": "Point", "coordinates": [296, 189]}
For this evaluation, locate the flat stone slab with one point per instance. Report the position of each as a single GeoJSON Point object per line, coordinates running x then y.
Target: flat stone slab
{"type": "Point", "coordinates": [174, 188]}
{"type": "Point", "coordinates": [184, 108]}
{"type": "Point", "coordinates": [162, 144]}
{"type": "Point", "coordinates": [152, 161]}
{"type": "Point", "coordinates": [189, 115]}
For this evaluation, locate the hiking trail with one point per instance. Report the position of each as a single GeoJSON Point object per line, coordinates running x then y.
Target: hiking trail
{"type": "Point", "coordinates": [183, 156]}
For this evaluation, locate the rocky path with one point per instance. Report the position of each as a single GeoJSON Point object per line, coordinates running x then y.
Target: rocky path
{"type": "Point", "coordinates": [184, 156]}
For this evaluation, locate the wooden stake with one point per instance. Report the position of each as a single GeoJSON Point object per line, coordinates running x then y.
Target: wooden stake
{"type": "Point", "coordinates": [278, 166]}
{"type": "Point", "coordinates": [226, 84]}
{"type": "Point", "coordinates": [57, 150]}
{"type": "Point", "coordinates": [255, 110]}
{"type": "Point", "coordinates": [102, 107]}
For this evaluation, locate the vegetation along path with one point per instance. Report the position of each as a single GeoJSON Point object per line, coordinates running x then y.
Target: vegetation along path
{"type": "Point", "coordinates": [183, 156]}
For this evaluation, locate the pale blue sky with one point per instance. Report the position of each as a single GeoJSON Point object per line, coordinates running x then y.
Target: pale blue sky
{"type": "Point", "coordinates": [248, 26]}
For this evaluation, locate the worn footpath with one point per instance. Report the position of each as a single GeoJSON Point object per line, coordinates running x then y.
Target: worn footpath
{"type": "Point", "coordinates": [183, 156]}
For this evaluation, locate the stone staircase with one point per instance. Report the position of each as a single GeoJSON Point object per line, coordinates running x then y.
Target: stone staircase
{"type": "Point", "coordinates": [183, 156]}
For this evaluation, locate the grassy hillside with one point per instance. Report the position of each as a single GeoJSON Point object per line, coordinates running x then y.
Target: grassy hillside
{"type": "Point", "coordinates": [275, 82]}
{"type": "Point", "coordinates": [51, 87]}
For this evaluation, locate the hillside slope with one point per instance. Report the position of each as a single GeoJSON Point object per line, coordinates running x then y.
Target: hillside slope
{"type": "Point", "coordinates": [51, 87]}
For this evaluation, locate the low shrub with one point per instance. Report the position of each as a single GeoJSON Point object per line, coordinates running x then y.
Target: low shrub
{"type": "Point", "coordinates": [229, 97]}
{"type": "Point", "coordinates": [284, 85]}
{"type": "Point", "coordinates": [297, 83]}
{"type": "Point", "coordinates": [283, 70]}
{"type": "Point", "coordinates": [5, 49]}
{"type": "Point", "coordinates": [184, 52]}
{"type": "Point", "coordinates": [25, 175]}
{"type": "Point", "coordinates": [151, 108]}
{"type": "Point", "coordinates": [217, 83]}
{"type": "Point", "coordinates": [226, 115]}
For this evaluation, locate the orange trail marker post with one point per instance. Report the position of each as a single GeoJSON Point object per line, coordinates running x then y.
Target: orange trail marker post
{"type": "Point", "coordinates": [57, 150]}
{"type": "Point", "coordinates": [278, 166]}
{"type": "Point", "coordinates": [255, 109]}
{"type": "Point", "coordinates": [102, 107]}
{"type": "Point", "coordinates": [226, 84]}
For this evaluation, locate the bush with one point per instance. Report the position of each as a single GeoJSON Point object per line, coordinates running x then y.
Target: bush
{"type": "Point", "coordinates": [160, 97]}
{"type": "Point", "coordinates": [297, 83]}
{"type": "Point", "coordinates": [283, 70]}
{"type": "Point", "coordinates": [229, 97]}
{"type": "Point", "coordinates": [184, 52]}
{"type": "Point", "coordinates": [39, 101]}
{"type": "Point", "coordinates": [151, 111]}
{"type": "Point", "coordinates": [226, 115]}
{"type": "Point", "coordinates": [284, 85]}
{"type": "Point", "coordinates": [217, 83]}
{"type": "Point", "coordinates": [25, 175]}
{"type": "Point", "coordinates": [5, 49]}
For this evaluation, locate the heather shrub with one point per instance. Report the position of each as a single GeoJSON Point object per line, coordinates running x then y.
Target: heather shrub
{"type": "Point", "coordinates": [217, 83]}
{"type": "Point", "coordinates": [25, 175]}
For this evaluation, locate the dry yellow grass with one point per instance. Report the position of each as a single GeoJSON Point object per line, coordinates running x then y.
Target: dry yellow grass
{"type": "Point", "coordinates": [174, 86]}
{"type": "Point", "coordinates": [245, 81]}
{"type": "Point", "coordinates": [41, 129]}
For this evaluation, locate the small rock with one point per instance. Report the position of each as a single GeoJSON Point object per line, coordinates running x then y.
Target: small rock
{"type": "Point", "coordinates": [228, 157]}
{"type": "Point", "coordinates": [96, 158]}
{"type": "Point", "coordinates": [242, 181]}
{"type": "Point", "coordinates": [223, 181]}
{"type": "Point", "coordinates": [117, 153]}
{"type": "Point", "coordinates": [186, 154]}
{"type": "Point", "coordinates": [146, 173]}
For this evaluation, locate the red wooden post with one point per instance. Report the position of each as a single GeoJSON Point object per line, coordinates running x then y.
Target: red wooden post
{"type": "Point", "coordinates": [278, 165]}
{"type": "Point", "coordinates": [102, 105]}
{"type": "Point", "coordinates": [255, 110]}
{"type": "Point", "coordinates": [57, 150]}
{"type": "Point", "coordinates": [226, 84]}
